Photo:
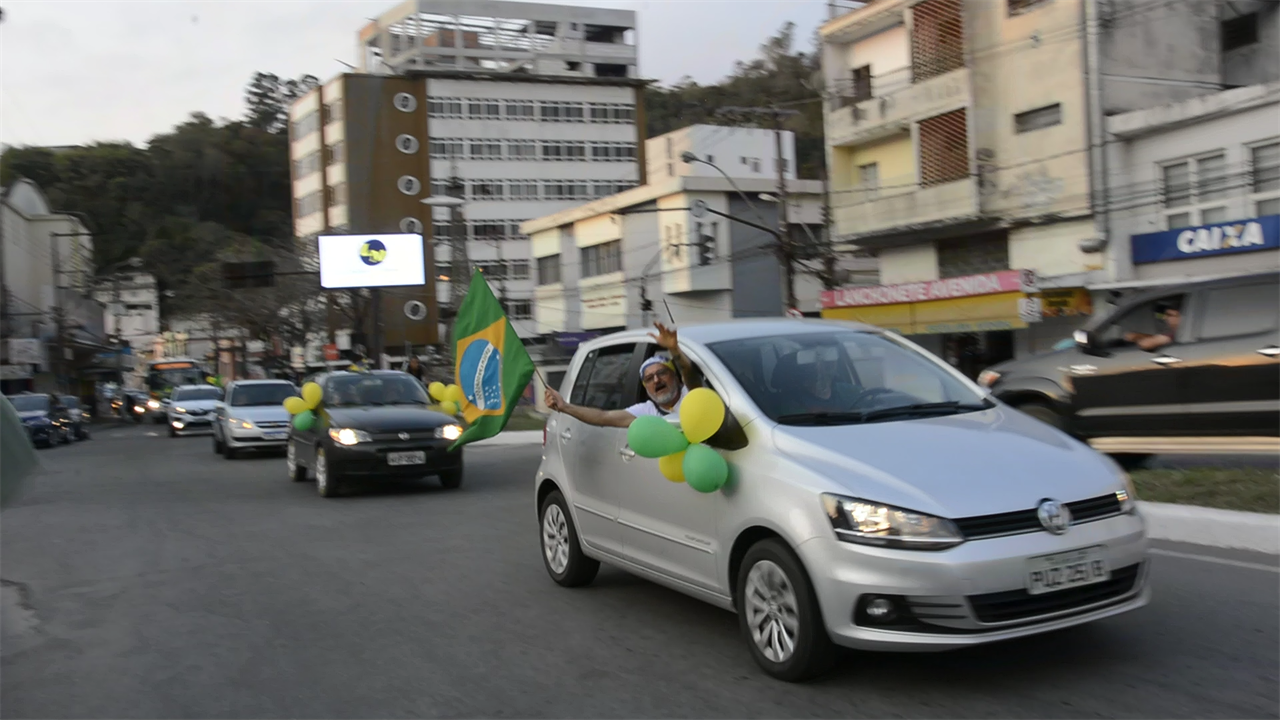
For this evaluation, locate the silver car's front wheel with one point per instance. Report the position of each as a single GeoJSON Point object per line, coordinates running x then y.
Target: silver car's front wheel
{"type": "Point", "coordinates": [772, 612]}
{"type": "Point", "coordinates": [779, 613]}
{"type": "Point", "coordinates": [561, 553]}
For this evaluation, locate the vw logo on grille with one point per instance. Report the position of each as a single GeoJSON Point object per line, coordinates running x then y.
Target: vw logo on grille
{"type": "Point", "coordinates": [1054, 516]}
{"type": "Point", "coordinates": [403, 436]}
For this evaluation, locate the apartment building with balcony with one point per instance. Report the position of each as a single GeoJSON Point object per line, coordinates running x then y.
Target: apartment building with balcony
{"type": "Point", "coordinates": [966, 138]}
{"type": "Point", "coordinates": [520, 109]}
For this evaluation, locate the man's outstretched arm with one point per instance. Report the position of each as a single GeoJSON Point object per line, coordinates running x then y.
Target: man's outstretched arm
{"type": "Point", "coordinates": [590, 416]}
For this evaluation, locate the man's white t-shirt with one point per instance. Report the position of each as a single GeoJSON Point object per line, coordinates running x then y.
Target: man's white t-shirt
{"type": "Point", "coordinates": [648, 407]}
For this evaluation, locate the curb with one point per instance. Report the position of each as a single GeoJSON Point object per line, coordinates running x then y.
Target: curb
{"type": "Point", "coordinates": [1259, 532]}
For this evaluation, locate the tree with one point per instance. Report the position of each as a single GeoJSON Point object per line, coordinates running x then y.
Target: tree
{"type": "Point", "coordinates": [780, 75]}
{"type": "Point", "coordinates": [268, 98]}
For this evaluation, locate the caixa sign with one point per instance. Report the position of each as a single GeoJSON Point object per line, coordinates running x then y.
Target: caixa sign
{"type": "Point", "coordinates": [1221, 239]}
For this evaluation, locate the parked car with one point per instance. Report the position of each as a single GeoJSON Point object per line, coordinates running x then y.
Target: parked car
{"type": "Point", "coordinates": [371, 426]}
{"type": "Point", "coordinates": [1216, 377]}
{"type": "Point", "coordinates": [191, 408]}
{"type": "Point", "coordinates": [252, 417]}
{"type": "Point", "coordinates": [78, 417]}
{"type": "Point", "coordinates": [878, 499]}
{"type": "Point", "coordinates": [45, 417]}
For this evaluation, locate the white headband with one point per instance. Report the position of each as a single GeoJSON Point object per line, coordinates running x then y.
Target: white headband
{"type": "Point", "coordinates": [655, 360]}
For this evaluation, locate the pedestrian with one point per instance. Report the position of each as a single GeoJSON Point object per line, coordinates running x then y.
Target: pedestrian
{"type": "Point", "coordinates": [18, 458]}
{"type": "Point", "coordinates": [417, 370]}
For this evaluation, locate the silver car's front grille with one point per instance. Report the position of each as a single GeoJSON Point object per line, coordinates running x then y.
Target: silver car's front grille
{"type": "Point", "coordinates": [269, 424]}
{"type": "Point", "coordinates": [1025, 521]}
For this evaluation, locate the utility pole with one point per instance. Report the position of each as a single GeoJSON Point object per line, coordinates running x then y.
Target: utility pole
{"type": "Point", "coordinates": [459, 265]}
{"type": "Point", "coordinates": [774, 117]}
{"type": "Point", "coordinates": [828, 245]}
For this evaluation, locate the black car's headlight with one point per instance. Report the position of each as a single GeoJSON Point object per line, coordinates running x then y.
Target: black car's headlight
{"type": "Point", "coordinates": [348, 436]}
{"type": "Point", "coordinates": [870, 523]}
{"type": "Point", "coordinates": [449, 432]}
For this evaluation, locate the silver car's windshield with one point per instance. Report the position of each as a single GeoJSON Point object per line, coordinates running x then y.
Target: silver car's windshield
{"type": "Point", "coordinates": [260, 395]}
{"type": "Point", "coordinates": [191, 394]}
{"type": "Point", "coordinates": [843, 377]}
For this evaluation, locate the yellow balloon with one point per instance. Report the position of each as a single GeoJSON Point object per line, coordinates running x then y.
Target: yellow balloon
{"type": "Point", "coordinates": [701, 414]}
{"type": "Point", "coordinates": [295, 405]}
{"type": "Point", "coordinates": [672, 467]}
{"type": "Point", "coordinates": [312, 394]}
{"type": "Point", "coordinates": [449, 407]}
{"type": "Point", "coordinates": [454, 393]}
{"type": "Point", "coordinates": [437, 391]}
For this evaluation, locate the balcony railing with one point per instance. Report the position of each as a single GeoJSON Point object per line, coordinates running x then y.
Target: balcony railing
{"type": "Point", "coordinates": [894, 103]}
{"type": "Point", "coordinates": [898, 203]}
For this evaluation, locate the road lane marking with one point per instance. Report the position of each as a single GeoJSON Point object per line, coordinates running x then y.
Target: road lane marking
{"type": "Point", "coordinates": [1218, 560]}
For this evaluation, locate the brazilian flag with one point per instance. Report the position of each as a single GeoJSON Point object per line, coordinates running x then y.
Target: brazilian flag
{"type": "Point", "coordinates": [490, 363]}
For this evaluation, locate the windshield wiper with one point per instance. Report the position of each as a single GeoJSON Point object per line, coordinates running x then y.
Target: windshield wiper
{"type": "Point", "coordinates": [934, 408]}
{"type": "Point", "coordinates": [841, 417]}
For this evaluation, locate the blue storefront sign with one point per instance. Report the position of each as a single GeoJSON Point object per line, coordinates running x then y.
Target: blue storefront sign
{"type": "Point", "coordinates": [1221, 239]}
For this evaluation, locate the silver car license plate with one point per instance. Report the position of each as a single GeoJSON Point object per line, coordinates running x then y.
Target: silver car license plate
{"type": "Point", "coordinates": [275, 434]}
{"type": "Point", "coordinates": [1050, 573]}
{"type": "Point", "coordinates": [413, 457]}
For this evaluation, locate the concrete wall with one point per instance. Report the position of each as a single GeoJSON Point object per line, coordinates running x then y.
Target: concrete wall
{"type": "Point", "coordinates": [743, 152]}
{"type": "Point", "coordinates": [1156, 53]}
{"type": "Point", "coordinates": [914, 263]}
{"type": "Point", "coordinates": [1259, 62]}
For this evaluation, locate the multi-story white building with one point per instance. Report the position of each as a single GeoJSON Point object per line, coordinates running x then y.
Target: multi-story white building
{"type": "Point", "coordinates": [742, 152]}
{"type": "Point", "coordinates": [132, 301]}
{"type": "Point", "coordinates": [46, 268]}
{"type": "Point", "coordinates": [521, 109]}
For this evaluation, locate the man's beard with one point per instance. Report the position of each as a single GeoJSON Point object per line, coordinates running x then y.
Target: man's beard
{"type": "Point", "coordinates": [666, 398]}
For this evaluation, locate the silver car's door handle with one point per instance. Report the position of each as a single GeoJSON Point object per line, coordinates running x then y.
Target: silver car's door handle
{"type": "Point", "coordinates": [626, 452]}
{"type": "Point", "coordinates": [1272, 351]}
{"type": "Point", "coordinates": [1166, 360]}
{"type": "Point", "coordinates": [566, 434]}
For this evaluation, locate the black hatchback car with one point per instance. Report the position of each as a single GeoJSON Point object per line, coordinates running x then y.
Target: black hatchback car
{"type": "Point", "coordinates": [46, 418]}
{"type": "Point", "coordinates": [1191, 368]}
{"type": "Point", "coordinates": [370, 426]}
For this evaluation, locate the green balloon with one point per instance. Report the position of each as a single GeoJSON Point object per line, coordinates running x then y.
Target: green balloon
{"type": "Point", "coordinates": [652, 437]}
{"type": "Point", "coordinates": [304, 420]}
{"type": "Point", "coordinates": [704, 469]}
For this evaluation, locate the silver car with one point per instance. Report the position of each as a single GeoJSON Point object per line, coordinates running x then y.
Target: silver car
{"type": "Point", "coordinates": [190, 408]}
{"type": "Point", "coordinates": [877, 498]}
{"type": "Point", "coordinates": [252, 417]}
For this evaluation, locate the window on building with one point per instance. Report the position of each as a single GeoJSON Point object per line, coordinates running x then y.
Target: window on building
{"type": "Point", "coordinates": [566, 190]}
{"type": "Point", "coordinates": [485, 150]}
{"type": "Point", "coordinates": [333, 112]}
{"type": "Point", "coordinates": [1195, 191]}
{"type": "Point", "coordinates": [518, 309]}
{"type": "Point", "coordinates": [489, 230]}
{"type": "Point", "coordinates": [1264, 166]}
{"type": "Point", "coordinates": [973, 256]}
{"type": "Point", "coordinates": [602, 259]}
{"type": "Point", "coordinates": [338, 194]}
{"type": "Point", "coordinates": [522, 149]}
{"type": "Point", "coordinates": [549, 270]}
{"type": "Point", "coordinates": [309, 204]}
{"type": "Point", "coordinates": [869, 179]}
{"type": "Point", "coordinates": [522, 189]}
{"type": "Point", "coordinates": [944, 148]}
{"type": "Point", "coordinates": [305, 125]}
{"type": "Point", "coordinates": [445, 148]}
{"type": "Point", "coordinates": [441, 231]}
{"type": "Point", "coordinates": [486, 190]}
{"type": "Point", "coordinates": [937, 38]}
{"type": "Point", "coordinates": [1017, 7]}
{"type": "Point", "coordinates": [601, 113]}
{"type": "Point", "coordinates": [444, 108]}
{"type": "Point", "coordinates": [860, 85]}
{"type": "Point", "coordinates": [1044, 117]}
{"type": "Point", "coordinates": [521, 110]}
{"type": "Point", "coordinates": [484, 109]}
{"type": "Point", "coordinates": [1239, 32]}
{"type": "Point", "coordinates": [337, 153]}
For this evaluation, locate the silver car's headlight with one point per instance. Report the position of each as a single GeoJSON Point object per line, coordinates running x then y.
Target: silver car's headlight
{"type": "Point", "coordinates": [449, 432]}
{"type": "Point", "coordinates": [241, 424]}
{"type": "Point", "coordinates": [1128, 496]}
{"type": "Point", "coordinates": [870, 523]}
{"type": "Point", "coordinates": [180, 410]}
{"type": "Point", "coordinates": [349, 436]}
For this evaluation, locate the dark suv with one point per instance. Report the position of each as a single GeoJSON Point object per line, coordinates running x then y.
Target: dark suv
{"type": "Point", "coordinates": [1189, 368]}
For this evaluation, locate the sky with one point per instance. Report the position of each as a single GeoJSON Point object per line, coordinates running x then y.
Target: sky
{"type": "Point", "coordinates": [76, 72]}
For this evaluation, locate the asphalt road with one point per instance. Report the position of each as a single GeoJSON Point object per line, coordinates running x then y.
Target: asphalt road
{"type": "Point", "coordinates": [146, 577]}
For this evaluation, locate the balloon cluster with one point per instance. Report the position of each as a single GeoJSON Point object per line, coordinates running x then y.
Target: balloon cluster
{"type": "Point", "coordinates": [680, 453]}
{"type": "Point", "coordinates": [449, 396]}
{"type": "Point", "coordinates": [303, 408]}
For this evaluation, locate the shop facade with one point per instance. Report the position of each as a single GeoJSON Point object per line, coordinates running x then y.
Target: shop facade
{"type": "Point", "coordinates": [971, 321]}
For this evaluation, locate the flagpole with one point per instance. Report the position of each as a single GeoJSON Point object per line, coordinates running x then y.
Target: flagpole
{"type": "Point", "coordinates": [504, 314]}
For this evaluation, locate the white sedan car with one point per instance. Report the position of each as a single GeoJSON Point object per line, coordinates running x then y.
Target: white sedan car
{"type": "Point", "coordinates": [190, 408]}
{"type": "Point", "coordinates": [252, 417]}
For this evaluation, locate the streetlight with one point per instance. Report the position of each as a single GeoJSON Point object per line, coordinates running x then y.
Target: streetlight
{"type": "Point", "coordinates": [689, 158]}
